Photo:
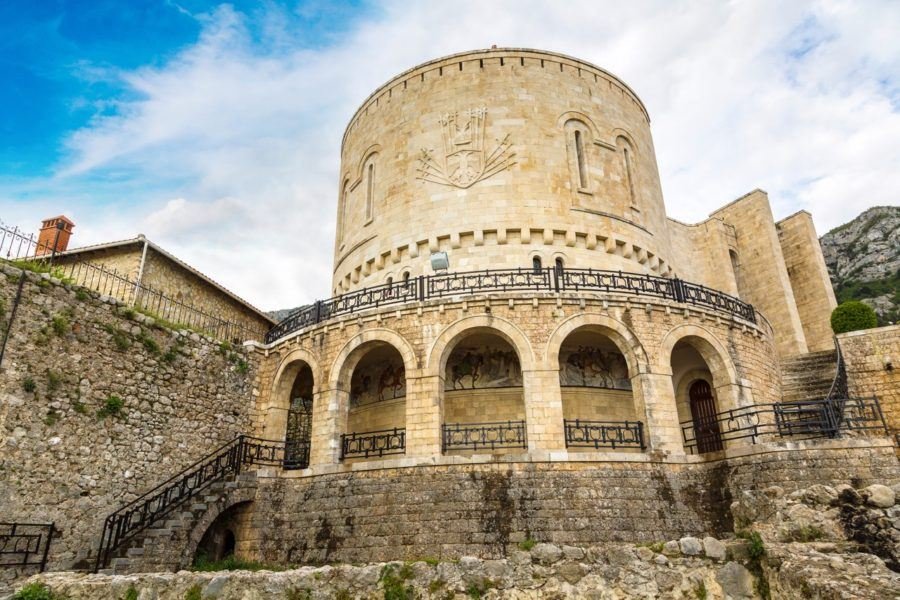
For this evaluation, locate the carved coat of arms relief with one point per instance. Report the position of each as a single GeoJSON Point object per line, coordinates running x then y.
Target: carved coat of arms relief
{"type": "Point", "coordinates": [465, 160]}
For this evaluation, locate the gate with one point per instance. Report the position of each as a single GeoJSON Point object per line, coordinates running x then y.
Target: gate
{"type": "Point", "coordinates": [703, 412]}
{"type": "Point", "coordinates": [299, 431]}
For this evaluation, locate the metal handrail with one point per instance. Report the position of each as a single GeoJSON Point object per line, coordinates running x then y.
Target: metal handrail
{"type": "Point", "coordinates": [492, 434]}
{"type": "Point", "coordinates": [151, 506]}
{"type": "Point", "coordinates": [24, 540]}
{"type": "Point", "coordinates": [373, 443]}
{"type": "Point", "coordinates": [603, 434]}
{"type": "Point", "coordinates": [549, 279]}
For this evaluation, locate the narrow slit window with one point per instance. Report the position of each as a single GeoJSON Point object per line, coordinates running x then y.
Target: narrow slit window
{"type": "Point", "coordinates": [536, 264]}
{"type": "Point", "coordinates": [406, 277]}
{"type": "Point", "coordinates": [370, 191]}
{"type": "Point", "coordinates": [559, 265]}
{"type": "Point", "coordinates": [342, 220]}
{"type": "Point", "coordinates": [579, 156]}
{"type": "Point", "coordinates": [629, 174]}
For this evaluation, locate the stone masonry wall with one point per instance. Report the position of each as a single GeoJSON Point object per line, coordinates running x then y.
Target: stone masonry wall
{"type": "Point", "coordinates": [67, 454]}
{"type": "Point", "coordinates": [872, 357]}
{"type": "Point", "coordinates": [809, 279]}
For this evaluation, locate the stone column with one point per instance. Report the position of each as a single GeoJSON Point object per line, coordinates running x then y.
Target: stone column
{"type": "Point", "coordinates": [423, 415]}
{"type": "Point", "coordinates": [654, 397]}
{"type": "Point", "coordinates": [329, 421]}
{"type": "Point", "coordinates": [543, 410]}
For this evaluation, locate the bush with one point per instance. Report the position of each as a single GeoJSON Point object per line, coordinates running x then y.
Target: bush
{"type": "Point", "coordinates": [60, 325]}
{"type": "Point", "coordinates": [113, 406]}
{"type": "Point", "coordinates": [29, 385]}
{"type": "Point", "coordinates": [853, 316]}
{"type": "Point", "coordinates": [35, 591]}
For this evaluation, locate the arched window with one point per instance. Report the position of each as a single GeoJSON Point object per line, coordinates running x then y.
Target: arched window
{"type": "Point", "coordinates": [628, 166]}
{"type": "Point", "coordinates": [559, 264]}
{"type": "Point", "coordinates": [536, 264]}
{"type": "Point", "coordinates": [579, 158]}
{"type": "Point", "coordinates": [405, 276]}
{"type": "Point", "coordinates": [629, 173]}
{"type": "Point", "coordinates": [390, 280]}
{"type": "Point", "coordinates": [370, 191]}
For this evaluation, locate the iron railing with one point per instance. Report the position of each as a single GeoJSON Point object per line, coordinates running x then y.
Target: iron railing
{"type": "Point", "coordinates": [18, 247]}
{"type": "Point", "coordinates": [550, 279]}
{"type": "Point", "coordinates": [809, 419]}
{"type": "Point", "coordinates": [480, 436]}
{"type": "Point", "coordinates": [142, 512]}
{"type": "Point", "coordinates": [373, 443]}
{"type": "Point", "coordinates": [25, 544]}
{"type": "Point", "coordinates": [604, 434]}
{"type": "Point", "coordinates": [296, 455]}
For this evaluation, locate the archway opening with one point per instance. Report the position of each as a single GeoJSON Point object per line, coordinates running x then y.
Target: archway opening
{"type": "Point", "coordinates": [226, 538]}
{"type": "Point", "coordinates": [376, 419]}
{"type": "Point", "coordinates": [298, 431]}
{"type": "Point", "coordinates": [483, 405]}
{"type": "Point", "coordinates": [597, 397]}
{"type": "Point", "coordinates": [696, 399]}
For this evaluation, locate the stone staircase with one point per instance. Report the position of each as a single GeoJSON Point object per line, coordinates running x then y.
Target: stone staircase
{"type": "Point", "coordinates": [162, 546]}
{"type": "Point", "coordinates": [808, 376]}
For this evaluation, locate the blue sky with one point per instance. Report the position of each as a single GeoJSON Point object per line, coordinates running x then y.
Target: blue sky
{"type": "Point", "coordinates": [215, 128]}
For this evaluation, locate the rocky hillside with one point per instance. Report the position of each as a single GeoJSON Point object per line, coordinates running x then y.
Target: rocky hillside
{"type": "Point", "coordinates": [863, 258]}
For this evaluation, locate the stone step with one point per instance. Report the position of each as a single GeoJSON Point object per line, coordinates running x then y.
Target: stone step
{"type": "Point", "coordinates": [132, 552]}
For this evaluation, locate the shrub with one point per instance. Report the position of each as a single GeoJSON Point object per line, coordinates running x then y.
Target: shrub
{"type": "Point", "coordinates": [149, 343]}
{"type": "Point", "coordinates": [54, 380]}
{"type": "Point", "coordinates": [527, 544]}
{"type": "Point", "coordinates": [131, 593]}
{"type": "Point", "coordinates": [79, 407]}
{"type": "Point", "coordinates": [81, 294]}
{"type": "Point", "coordinates": [194, 593]}
{"type": "Point", "coordinates": [394, 584]}
{"type": "Point", "coordinates": [120, 338]}
{"type": "Point", "coordinates": [853, 316]}
{"type": "Point", "coordinates": [113, 406]}
{"type": "Point", "coordinates": [29, 385]}
{"type": "Point", "coordinates": [35, 591]}
{"type": "Point", "coordinates": [60, 325]}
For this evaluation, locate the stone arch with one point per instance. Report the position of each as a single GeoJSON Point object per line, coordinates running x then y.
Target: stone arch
{"type": "Point", "coordinates": [451, 335]}
{"type": "Point", "coordinates": [618, 332]}
{"type": "Point", "coordinates": [278, 403]}
{"type": "Point", "coordinates": [227, 502]}
{"type": "Point", "coordinates": [707, 344]}
{"type": "Point", "coordinates": [352, 351]}
{"type": "Point", "coordinates": [574, 115]}
{"type": "Point", "coordinates": [373, 150]}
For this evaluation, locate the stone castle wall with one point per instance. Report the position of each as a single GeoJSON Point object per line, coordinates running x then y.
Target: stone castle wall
{"type": "Point", "coordinates": [809, 279]}
{"type": "Point", "coordinates": [872, 357]}
{"type": "Point", "coordinates": [61, 459]}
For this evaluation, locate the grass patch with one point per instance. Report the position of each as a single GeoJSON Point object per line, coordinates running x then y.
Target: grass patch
{"type": "Point", "coordinates": [111, 407]}
{"type": "Point", "coordinates": [170, 355]}
{"type": "Point", "coordinates": [82, 294]}
{"type": "Point", "coordinates": [40, 267]}
{"type": "Point", "coordinates": [527, 544]}
{"type": "Point", "coordinates": [393, 582]}
{"type": "Point", "coordinates": [232, 563]}
{"type": "Point", "coordinates": [700, 591]}
{"type": "Point", "coordinates": [60, 325]}
{"type": "Point", "coordinates": [79, 407]}
{"type": "Point", "coordinates": [756, 550]}
{"type": "Point", "coordinates": [193, 593]}
{"type": "Point", "coordinates": [52, 418]}
{"type": "Point", "coordinates": [29, 385]}
{"type": "Point", "coordinates": [131, 593]}
{"type": "Point", "coordinates": [149, 343]}
{"type": "Point", "coordinates": [35, 591]}
{"type": "Point", "coordinates": [54, 380]}
{"type": "Point", "coordinates": [120, 338]}
{"type": "Point", "coordinates": [807, 533]}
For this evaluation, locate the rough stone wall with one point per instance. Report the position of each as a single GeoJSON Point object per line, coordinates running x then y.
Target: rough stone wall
{"type": "Point", "coordinates": [532, 204]}
{"type": "Point", "coordinates": [872, 359]}
{"type": "Point", "coordinates": [66, 454]}
{"type": "Point", "coordinates": [742, 362]}
{"type": "Point", "coordinates": [486, 509]}
{"type": "Point", "coordinates": [160, 273]}
{"type": "Point", "coordinates": [809, 279]}
{"type": "Point", "coordinates": [763, 268]}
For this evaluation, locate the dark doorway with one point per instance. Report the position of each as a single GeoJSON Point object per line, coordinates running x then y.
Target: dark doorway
{"type": "Point", "coordinates": [299, 422]}
{"type": "Point", "coordinates": [703, 413]}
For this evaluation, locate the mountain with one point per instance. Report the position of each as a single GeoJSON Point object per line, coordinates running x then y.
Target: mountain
{"type": "Point", "coordinates": [863, 259]}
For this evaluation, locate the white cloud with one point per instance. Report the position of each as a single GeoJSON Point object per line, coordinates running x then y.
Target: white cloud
{"type": "Point", "coordinates": [799, 99]}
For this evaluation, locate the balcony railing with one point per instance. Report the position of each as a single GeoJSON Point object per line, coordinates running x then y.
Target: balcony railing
{"type": "Point", "coordinates": [550, 279]}
{"type": "Point", "coordinates": [604, 434]}
{"type": "Point", "coordinates": [373, 443]}
{"type": "Point", "coordinates": [481, 436]}
{"type": "Point", "coordinates": [827, 418]}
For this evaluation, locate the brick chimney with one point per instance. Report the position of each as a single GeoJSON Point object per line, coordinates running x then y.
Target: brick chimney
{"type": "Point", "coordinates": [55, 231]}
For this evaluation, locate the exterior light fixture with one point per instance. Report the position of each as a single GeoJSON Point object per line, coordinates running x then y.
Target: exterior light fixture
{"type": "Point", "coordinates": [440, 261]}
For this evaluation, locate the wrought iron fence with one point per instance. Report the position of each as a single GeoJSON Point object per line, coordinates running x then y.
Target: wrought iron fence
{"type": "Point", "coordinates": [604, 434]}
{"type": "Point", "coordinates": [142, 512]}
{"type": "Point", "coordinates": [25, 544]}
{"type": "Point", "coordinates": [826, 418]}
{"type": "Point", "coordinates": [480, 436]}
{"type": "Point", "coordinates": [296, 455]}
{"type": "Point", "coordinates": [550, 279]}
{"type": "Point", "coordinates": [373, 443]}
{"type": "Point", "coordinates": [19, 248]}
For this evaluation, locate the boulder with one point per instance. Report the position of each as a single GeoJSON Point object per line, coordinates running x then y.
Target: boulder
{"type": "Point", "coordinates": [546, 554]}
{"type": "Point", "coordinates": [879, 495]}
{"type": "Point", "coordinates": [736, 581]}
{"type": "Point", "coordinates": [690, 546]}
{"type": "Point", "coordinates": [713, 548]}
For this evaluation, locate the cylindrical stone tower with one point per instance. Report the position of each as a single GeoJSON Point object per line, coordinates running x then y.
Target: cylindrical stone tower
{"type": "Point", "coordinates": [503, 158]}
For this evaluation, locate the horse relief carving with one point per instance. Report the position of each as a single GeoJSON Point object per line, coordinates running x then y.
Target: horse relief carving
{"type": "Point", "coordinates": [588, 366]}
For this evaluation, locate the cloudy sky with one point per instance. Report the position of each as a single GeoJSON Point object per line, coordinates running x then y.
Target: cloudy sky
{"type": "Point", "coordinates": [215, 129]}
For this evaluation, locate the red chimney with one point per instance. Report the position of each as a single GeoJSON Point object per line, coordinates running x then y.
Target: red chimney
{"type": "Point", "coordinates": [54, 235]}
